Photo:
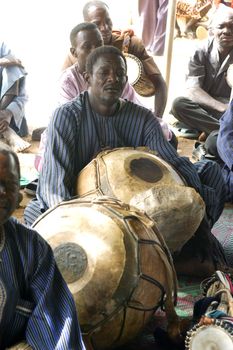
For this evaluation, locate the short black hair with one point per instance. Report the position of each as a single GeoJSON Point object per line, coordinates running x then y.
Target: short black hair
{"type": "Point", "coordinates": [86, 7]}
{"type": "Point", "coordinates": [78, 28]}
{"type": "Point", "coordinates": [99, 52]}
{"type": "Point", "coordinates": [6, 150]}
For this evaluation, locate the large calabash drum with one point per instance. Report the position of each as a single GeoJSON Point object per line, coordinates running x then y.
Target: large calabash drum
{"type": "Point", "coordinates": [140, 178]}
{"type": "Point", "coordinates": [115, 263]}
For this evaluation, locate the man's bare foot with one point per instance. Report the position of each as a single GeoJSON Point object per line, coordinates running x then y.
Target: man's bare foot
{"type": "Point", "coordinates": [15, 141]}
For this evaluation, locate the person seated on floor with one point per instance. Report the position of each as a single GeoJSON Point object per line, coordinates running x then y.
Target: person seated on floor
{"type": "Point", "coordinates": [98, 119]}
{"type": "Point", "coordinates": [98, 12]}
{"type": "Point", "coordinates": [13, 97]}
{"type": "Point", "coordinates": [84, 38]}
{"type": "Point", "coordinates": [225, 147]}
{"type": "Point", "coordinates": [207, 92]}
{"type": "Point", "coordinates": [36, 304]}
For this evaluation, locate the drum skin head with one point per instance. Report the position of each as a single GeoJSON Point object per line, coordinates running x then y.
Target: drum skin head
{"type": "Point", "coordinates": [150, 184]}
{"type": "Point", "coordinates": [115, 263]}
{"type": "Point", "coordinates": [211, 337]}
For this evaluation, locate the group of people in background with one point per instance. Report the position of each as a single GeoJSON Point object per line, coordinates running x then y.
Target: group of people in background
{"type": "Point", "coordinates": [99, 109]}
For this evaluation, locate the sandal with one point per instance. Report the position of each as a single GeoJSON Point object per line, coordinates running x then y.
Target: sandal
{"type": "Point", "coordinates": [31, 188]}
{"type": "Point", "coordinates": [181, 130]}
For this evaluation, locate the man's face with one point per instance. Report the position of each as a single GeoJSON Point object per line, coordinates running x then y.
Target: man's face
{"type": "Point", "coordinates": [9, 186]}
{"type": "Point", "coordinates": [86, 42]}
{"type": "Point", "coordinates": [108, 79]}
{"type": "Point", "coordinates": [223, 30]}
{"type": "Point", "coordinates": [101, 18]}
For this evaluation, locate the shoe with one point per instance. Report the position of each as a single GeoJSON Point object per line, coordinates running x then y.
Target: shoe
{"type": "Point", "coordinates": [199, 151]}
{"type": "Point", "coordinates": [182, 130]}
{"type": "Point", "coordinates": [31, 188]}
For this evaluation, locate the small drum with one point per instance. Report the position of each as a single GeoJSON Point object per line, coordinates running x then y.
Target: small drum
{"type": "Point", "coordinates": [140, 178]}
{"type": "Point", "coordinates": [115, 263]}
{"type": "Point", "coordinates": [218, 336]}
{"type": "Point", "coordinates": [137, 77]}
{"type": "Point", "coordinates": [20, 346]}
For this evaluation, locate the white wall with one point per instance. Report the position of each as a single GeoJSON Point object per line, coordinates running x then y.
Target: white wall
{"type": "Point", "coordinates": [38, 33]}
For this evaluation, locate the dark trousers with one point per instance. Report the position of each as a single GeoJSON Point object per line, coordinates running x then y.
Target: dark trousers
{"type": "Point", "coordinates": [195, 116]}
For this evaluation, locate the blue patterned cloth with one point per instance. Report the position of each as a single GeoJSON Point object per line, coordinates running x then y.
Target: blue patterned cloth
{"type": "Point", "coordinates": [225, 149]}
{"type": "Point", "coordinates": [35, 303]}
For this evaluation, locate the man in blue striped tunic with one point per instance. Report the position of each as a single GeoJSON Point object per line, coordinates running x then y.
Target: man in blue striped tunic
{"type": "Point", "coordinates": [35, 302]}
{"type": "Point", "coordinates": [99, 119]}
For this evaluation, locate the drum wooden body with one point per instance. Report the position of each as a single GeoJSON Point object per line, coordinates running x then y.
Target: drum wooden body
{"type": "Point", "coordinates": [139, 178]}
{"type": "Point", "coordinates": [115, 263]}
{"type": "Point", "coordinates": [137, 76]}
{"type": "Point", "coordinates": [20, 346]}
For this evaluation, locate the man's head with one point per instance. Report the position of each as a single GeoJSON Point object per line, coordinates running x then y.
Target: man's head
{"type": "Point", "coordinates": [9, 182]}
{"type": "Point", "coordinates": [97, 12]}
{"type": "Point", "coordinates": [222, 27]}
{"type": "Point", "coordinates": [106, 74]}
{"type": "Point", "coordinates": [84, 38]}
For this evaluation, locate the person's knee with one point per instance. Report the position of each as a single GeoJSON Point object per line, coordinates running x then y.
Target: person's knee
{"type": "Point", "coordinates": [178, 106]}
{"type": "Point", "coordinates": [32, 212]}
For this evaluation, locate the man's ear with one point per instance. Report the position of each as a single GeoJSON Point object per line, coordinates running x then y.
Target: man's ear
{"type": "Point", "coordinates": [73, 52]}
{"type": "Point", "coordinates": [86, 77]}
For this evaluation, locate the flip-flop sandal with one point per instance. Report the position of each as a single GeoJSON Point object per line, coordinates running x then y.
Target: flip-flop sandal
{"type": "Point", "coordinates": [181, 130]}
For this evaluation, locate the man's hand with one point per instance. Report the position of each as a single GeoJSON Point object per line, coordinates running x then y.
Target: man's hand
{"type": "Point", "coordinates": [3, 125]}
{"type": "Point", "coordinates": [8, 62]}
{"type": "Point", "coordinates": [5, 119]}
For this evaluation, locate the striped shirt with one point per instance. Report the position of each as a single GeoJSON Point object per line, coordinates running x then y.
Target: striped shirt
{"type": "Point", "coordinates": [75, 134]}
{"type": "Point", "coordinates": [35, 303]}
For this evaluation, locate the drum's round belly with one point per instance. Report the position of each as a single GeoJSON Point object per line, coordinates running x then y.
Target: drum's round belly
{"type": "Point", "coordinates": [140, 178]}
{"type": "Point", "coordinates": [115, 263]}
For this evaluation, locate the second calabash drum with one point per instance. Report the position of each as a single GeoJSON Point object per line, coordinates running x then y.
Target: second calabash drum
{"type": "Point", "coordinates": [115, 263]}
{"type": "Point", "coordinates": [140, 178]}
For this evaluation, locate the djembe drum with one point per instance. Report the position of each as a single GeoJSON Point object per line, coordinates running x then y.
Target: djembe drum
{"type": "Point", "coordinates": [137, 76]}
{"type": "Point", "coordinates": [215, 336]}
{"type": "Point", "coordinates": [214, 331]}
{"type": "Point", "coordinates": [140, 178]}
{"type": "Point", "coordinates": [116, 265]}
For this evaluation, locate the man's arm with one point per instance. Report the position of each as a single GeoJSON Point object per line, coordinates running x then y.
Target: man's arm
{"type": "Point", "coordinates": [58, 175]}
{"type": "Point", "coordinates": [160, 94]}
{"type": "Point", "coordinates": [197, 94]}
{"type": "Point", "coordinates": [199, 78]}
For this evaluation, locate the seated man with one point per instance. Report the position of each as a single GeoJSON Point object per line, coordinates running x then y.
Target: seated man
{"type": "Point", "coordinates": [84, 38]}
{"type": "Point", "coordinates": [36, 304]}
{"type": "Point", "coordinates": [98, 119]}
{"type": "Point", "coordinates": [207, 90]}
{"type": "Point", "coordinates": [12, 100]}
{"type": "Point", "coordinates": [97, 12]}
